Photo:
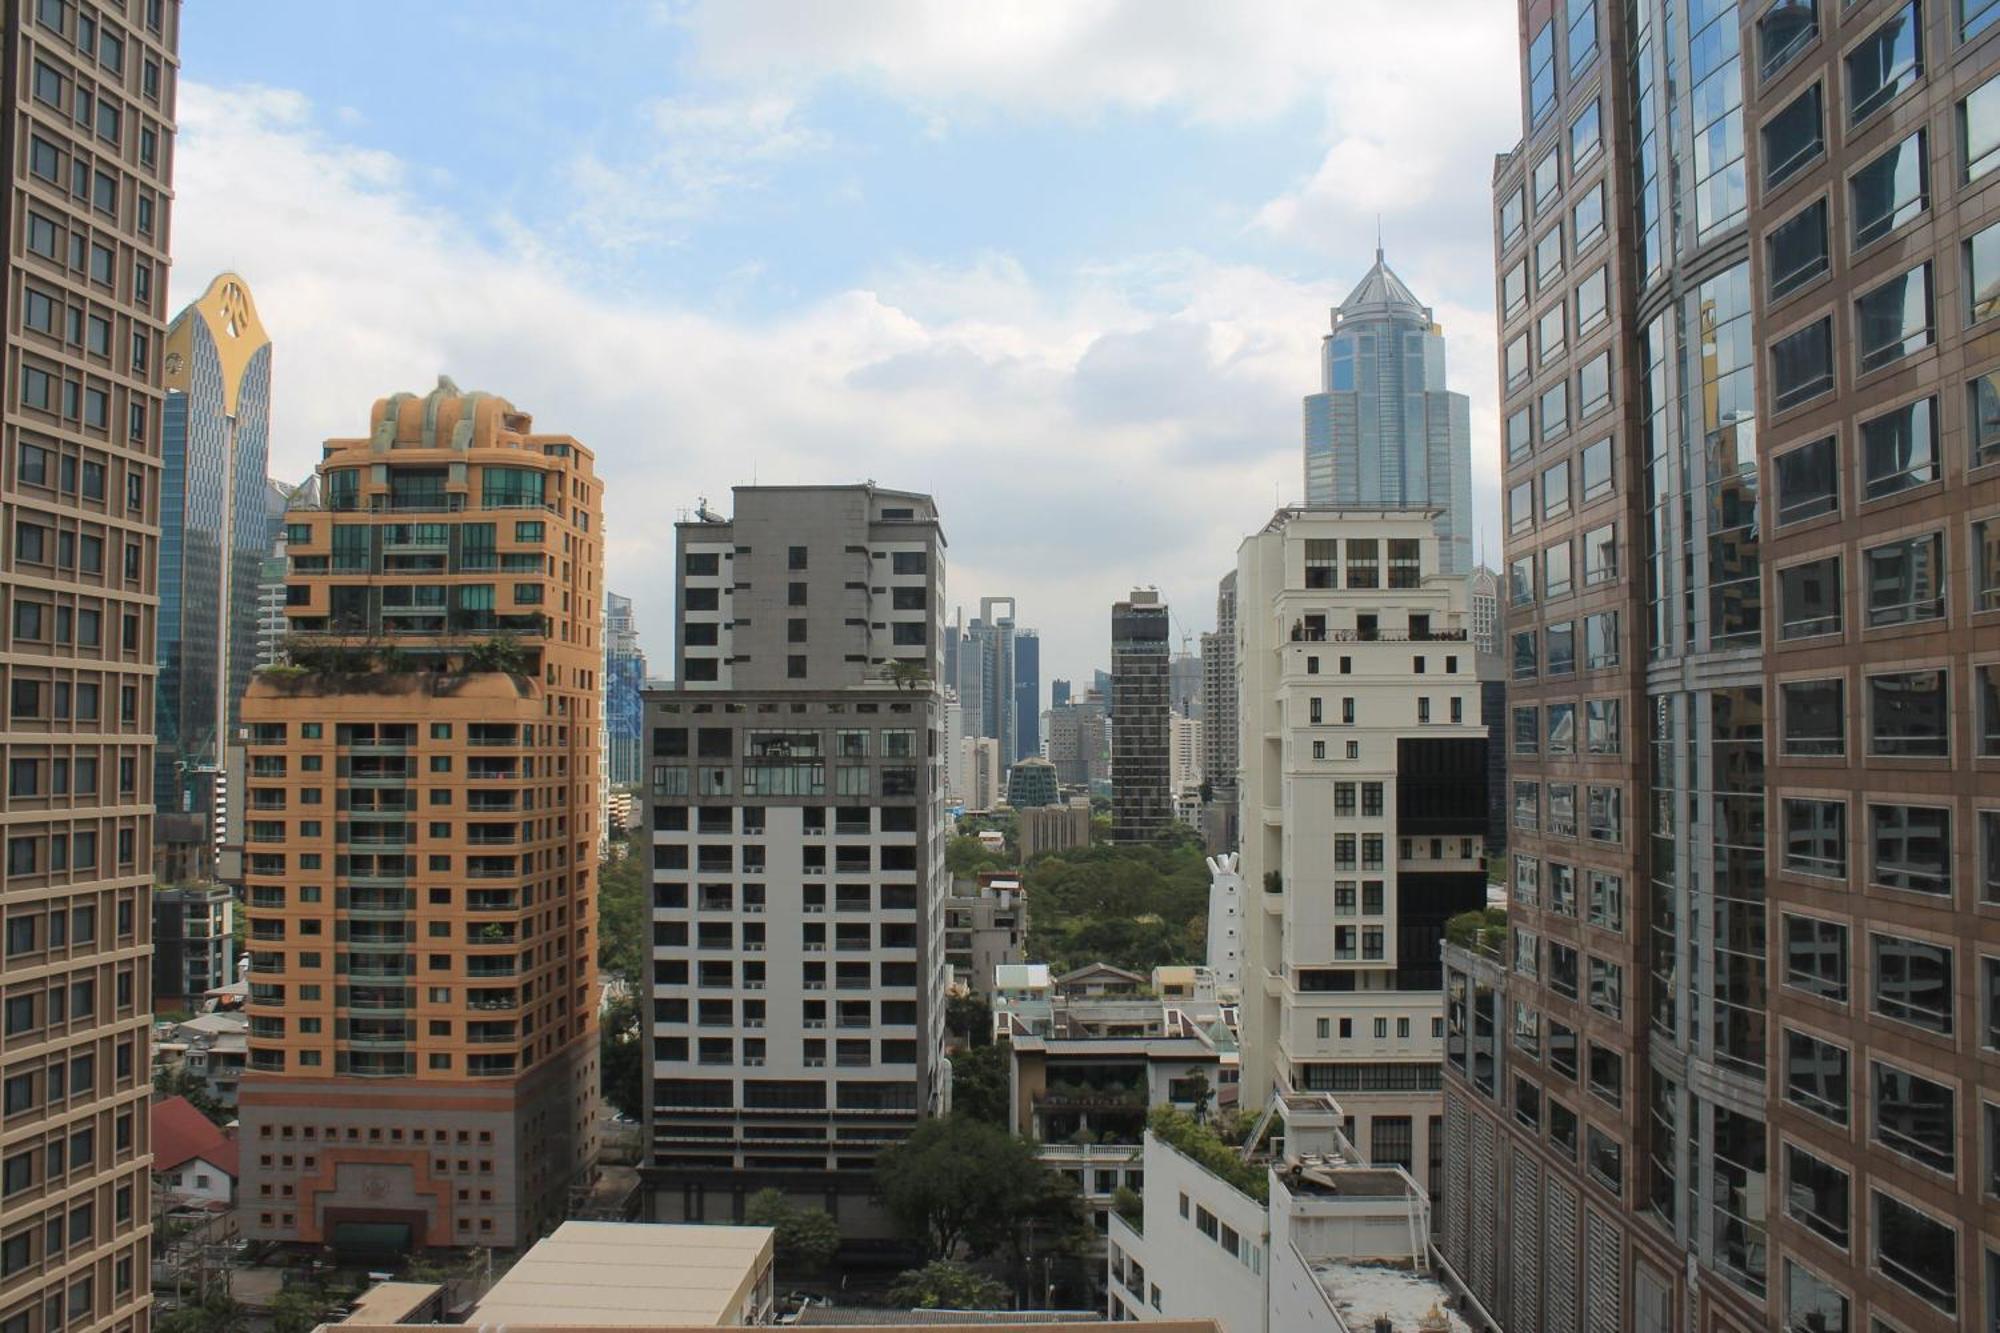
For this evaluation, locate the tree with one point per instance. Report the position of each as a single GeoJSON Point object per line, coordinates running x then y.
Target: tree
{"type": "Point", "coordinates": [945, 1285]}
{"type": "Point", "coordinates": [980, 1084]}
{"type": "Point", "coordinates": [622, 1051]}
{"type": "Point", "coordinates": [502, 652]}
{"type": "Point", "coordinates": [967, 856]}
{"type": "Point", "coordinates": [950, 1181]}
{"type": "Point", "coordinates": [300, 1309]}
{"type": "Point", "coordinates": [1126, 1202]}
{"type": "Point", "coordinates": [806, 1237]}
{"type": "Point", "coordinates": [178, 1082]}
{"type": "Point", "coordinates": [624, 916]}
{"type": "Point", "coordinates": [969, 1018]}
{"type": "Point", "coordinates": [908, 675]}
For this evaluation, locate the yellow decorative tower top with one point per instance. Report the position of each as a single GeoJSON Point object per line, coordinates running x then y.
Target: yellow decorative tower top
{"type": "Point", "coordinates": [231, 319]}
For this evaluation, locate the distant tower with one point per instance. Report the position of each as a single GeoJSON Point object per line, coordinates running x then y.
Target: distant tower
{"type": "Point", "coordinates": [1142, 803]}
{"type": "Point", "coordinates": [624, 677]}
{"type": "Point", "coordinates": [217, 527]}
{"type": "Point", "coordinates": [1027, 694]}
{"type": "Point", "coordinates": [1383, 430]}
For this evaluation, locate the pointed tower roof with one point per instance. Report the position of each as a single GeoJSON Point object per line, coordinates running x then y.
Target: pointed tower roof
{"type": "Point", "coordinates": [1381, 290]}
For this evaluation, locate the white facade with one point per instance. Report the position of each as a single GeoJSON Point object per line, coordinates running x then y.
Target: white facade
{"type": "Point", "coordinates": [1225, 922]}
{"type": "Point", "coordinates": [1355, 659]}
{"type": "Point", "coordinates": [1204, 1252]}
{"type": "Point", "coordinates": [949, 736]}
{"type": "Point", "coordinates": [979, 785]}
{"type": "Point", "coordinates": [1184, 756]}
{"type": "Point", "coordinates": [1484, 597]}
{"type": "Point", "coordinates": [196, 1180]}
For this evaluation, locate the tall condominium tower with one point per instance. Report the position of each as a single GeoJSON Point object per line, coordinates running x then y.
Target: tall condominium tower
{"type": "Point", "coordinates": [624, 679]}
{"type": "Point", "coordinates": [796, 803]}
{"type": "Point", "coordinates": [1364, 804]}
{"type": "Point", "coordinates": [89, 103]}
{"type": "Point", "coordinates": [1142, 798]}
{"type": "Point", "coordinates": [216, 530]}
{"type": "Point", "coordinates": [420, 841]}
{"type": "Point", "coordinates": [1027, 713]}
{"type": "Point", "coordinates": [1383, 430]}
{"type": "Point", "coordinates": [1219, 739]}
{"type": "Point", "coordinates": [1733, 1068]}
{"type": "Point", "coordinates": [989, 676]}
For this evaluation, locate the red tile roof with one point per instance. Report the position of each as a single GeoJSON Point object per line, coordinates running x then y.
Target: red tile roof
{"type": "Point", "coordinates": [181, 1134]}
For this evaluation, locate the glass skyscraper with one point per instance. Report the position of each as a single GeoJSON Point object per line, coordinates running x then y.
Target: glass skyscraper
{"type": "Point", "coordinates": [1383, 430]}
{"type": "Point", "coordinates": [217, 526]}
{"type": "Point", "coordinates": [624, 677]}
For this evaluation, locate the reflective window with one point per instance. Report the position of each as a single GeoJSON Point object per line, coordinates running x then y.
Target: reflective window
{"type": "Point", "coordinates": [1815, 834]}
{"type": "Point", "coordinates": [1986, 565]}
{"type": "Point", "coordinates": [1809, 599]}
{"type": "Point", "coordinates": [1581, 39]}
{"type": "Point", "coordinates": [1893, 188]}
{"type": "Point", "coordinates": [1593, 385]}
{"type": "Point", "coordinates": [1815, 718]}
{"type": "Point", "coordinates": [1547, 180]}
{"type": "Point", "coordinates": [1600, 555]}
{"type": "Point", "coordinates": [1909, 848]}
{"type": "Point", "coordinates": [1916, 1251]}
{"type": "Point", "coordinates": [1595, 465]}
{"type": "Point", "coordinates": [1555, 409]}
{"type": "Point", "coordinates": [1886, 62]}
{"type": "Point", "coordinates": [1816, 956]}
{"type": "Point", "coordinates": [1600, 640]}
{"type": "Point", "coordinates": [1590, 301]}
{"type": "Point", "coordinates": [1796, 250]}
{"type": "Point", "coordinates": [1913, 982]}
{"type": "Point", "coordinates": [1549, 255]}
{"type": "Point", "coordinates": [1514, 289]}
{"type": "Point", "coordinates": [1812, 1303]}
{"type": "Point", "coordinates": [1521, 508]}
{"type": "Point", "coordinates": [1556, 571]}
{"type": "Point", "coordinates": [1783, 31]}
{"type": "Point", "coordinates": [1587, 217]}
{"type": "Point", "coordinates": [1816, 1076]}
{"type": "Point", "coordinates": [1808, 481]}
{"type": "Point", "coordinates": [1983, 420]}
{"type": "Point", "coordinates": [1894, 320]}
{"type": "Point", "coordinates": [1975, 17]}
{"type": "Point", "coordinates": [1905, 580]}
{"type": "Point", "coordinates": [1586, 136]}
{"type": "Point", "coordinates": [1521, 581]}
{"type": "Point", "coordinates": [1899, 449]}
{"type": "Point", "coordinates": [1520, 435]}
{"type": "Point", "coordinates": [1982, 274]}
{"type": "Point", "coordinates": [1513, 217]}
{"type": "Point", "coordinates": [1802, 365]}
{"type": "Point", "coordinates": [1979, 130]}
{"type": "Point", "coordinates": [1817, 1196]}
{"type": "Point", "coordinates": [1909, 714]}
{"type": "Point", "coordinates": [1541, 73]}
{"type": "Point", "coordinates": [1793, 138]}
{"type": "Point", "coordinates": [1549, 333]}
{"type": "Point", "coordinates": [1517, 360]}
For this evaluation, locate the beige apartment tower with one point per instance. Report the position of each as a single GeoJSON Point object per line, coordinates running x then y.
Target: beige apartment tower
{"type": "Point", "coordinates": [89, 99]}
{"type": "Point", "coordinates": [420, 837]}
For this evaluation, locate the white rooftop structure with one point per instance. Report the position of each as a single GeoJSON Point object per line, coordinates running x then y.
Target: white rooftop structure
{"type": "Point", "coordinates": [635, 1275]}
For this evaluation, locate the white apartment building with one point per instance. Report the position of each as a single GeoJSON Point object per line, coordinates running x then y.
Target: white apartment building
{"type": "Point", "coordinates": [1184, 752]}
{"type": "Point", "coordinates": [1225, 923]}
{"type": "Point", "coordinates": [1363, 814]}
{"type": "Point", "coordinates": [980, 784]}
{"type": "Point", "coordinates": [797, 828]}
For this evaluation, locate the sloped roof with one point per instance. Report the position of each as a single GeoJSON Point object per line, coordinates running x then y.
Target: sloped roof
{"type": "Point", "coordinates": [181, 1134]}
{"type": "Point", "coordinates": [1381, 288]}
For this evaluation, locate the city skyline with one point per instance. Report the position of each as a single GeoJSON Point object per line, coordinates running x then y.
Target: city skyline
{"type": "Point", "coordinates": [813, 219]}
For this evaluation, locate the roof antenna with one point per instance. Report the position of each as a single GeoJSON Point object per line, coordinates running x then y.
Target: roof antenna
{"type": "Point", "coordinates": [1378, 238]}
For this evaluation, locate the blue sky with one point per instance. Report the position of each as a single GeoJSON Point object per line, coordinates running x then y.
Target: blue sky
{"type": "Point", "coordinates": [1065, 265]}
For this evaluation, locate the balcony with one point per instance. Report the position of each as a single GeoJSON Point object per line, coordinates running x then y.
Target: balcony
{"type": "Point", "coordinates": [491, 1066]}
{"type": "Point", "coordinates": [491, 967]}
{"type": "Point", "coordinates": [492, 900]}
{"type": "Point", "coordinates": [492, 1001]}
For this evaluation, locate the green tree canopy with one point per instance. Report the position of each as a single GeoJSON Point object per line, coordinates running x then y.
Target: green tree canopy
{"type": "Point", "coordinates": [622, 1051]}
{"type": "Point", "coordinates": [947, 1182]}
{"type": "Point", "coordinates": [980, 1080]}
{"type": "Point", "coordinates": [945, 1285]}
{"type": "Point", "coordinates": [1136, 907]}
{"type": "Point", "coordinates": [807, 1238]}
{"type": "Point", "coordinates": [624, 916]}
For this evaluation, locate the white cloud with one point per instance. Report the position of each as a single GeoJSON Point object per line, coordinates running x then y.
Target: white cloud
{"type": "Point", "coordinates": [1037, 411]}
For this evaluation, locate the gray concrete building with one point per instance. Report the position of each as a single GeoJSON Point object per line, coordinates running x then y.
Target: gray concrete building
{"type": "Point", "coordinates": [797, 827]}
{"type": "Point", "coordinates": [1142, 799]}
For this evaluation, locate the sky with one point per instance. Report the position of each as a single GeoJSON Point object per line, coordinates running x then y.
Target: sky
{"type": "Point", "coordinates": [1064, 265]}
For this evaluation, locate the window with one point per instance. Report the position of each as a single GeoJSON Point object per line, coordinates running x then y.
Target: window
{"type": "Point", "coordinates": [1591, 300]}
{"type": "Point", "coordinates": [1916, 1251]}
{"type": "Point", "coordinates": [1909, 714]}
{"type": "Point", "coordinates": [1913, 1116]}
{"type": "Point", "coordinates": [1899, 449]}
{"type": "Point", "coordinates": [1886, 62]}
{"type": "Point", "coordinates": [1512, 217]}
{"type": "Point", "coordinates": [1587, 218]}
{"type": "Point", "coordinates": [1979, 130]}
{"type": "Point", "coordinates": [1815, 719]}
{"type": "Point", "coordinates": [1593, 385]}
{"type": "Point", "coordinates": [1607, 900]}
{"type": "Point", "coordinates": [1605, 813]}
{"type": "Point", "coordinates": [1521, 581]}
{"type": "Point", "coordinates": [1816, 1076]}
{"type": "Point", "coordinates": [1890, 190]}
{"type": "Point", "coordinates": [1541, 81]}
{"type": "Point", "coordinates": [1520, 435]}
{"type": "Point", "coordinates": [1913, 982]}
{"type": "Point", "coordinates": [1986, 565]}
{"type": "Point", "coordinates": [1982, 275]}
{"type": "Point", "coordinates": [1783, 31]}
{"type": "Point", "coordinates": [1547, 180]}
{"type": "Point", "coordinates": [1905, 580]}
{"type": "Point", "coordinates": [1556, 577]}
{"type": "Point", "coordinates": [1549, 255]}
{"type": "Point", "coordinates": [1521, 508]}
{"type": "Point", "coordinates": [1555, 411]}
{"type": "Point", "coordinates": [1549, 332]}
{"type": "Point", "coordinates": [1808, 481]}
{"type": "Point", "coordinates": [1525, 661]}
{"type": "Point", "coordinates": [1517, 361]}
{"type": "Point", "coordinates": [1514, 290]}
{"type": "Point", "coordinates": [1793, 138]}
{"type": "Point", "coordinates": [1809, 599]}
{"type": "Point", "coordinates": [1562, 648]}
{"type": "Point", "coordinates": [1894, 320]}
{"type": "Point", "coordinates": [1989, 711]}
{"type": "Point", "coordinates": [1815, 837]}
{"type": "Point", "coordinates": [1816, 1196]}
{"type": "Point", "coordinates": [1802, 365]}
{"type": "Point", "coordinates": [1562, 809]}
{"type": "Point", "coordinates": [1562, 728]}
{"type": "Point", "coordinates": [1795, 252]}
{"type": "Point", "coordinates": [1816, 956]}
{"type": "Point", "coordinates": [1607, 1074]}
{"type": "Point", "coordinates": [1909, 848]}
{"type": "Point", "coordinates": [1595, 465]}
{"type": "Point", "coordinates": [1600, 555]}
{"type": "Point", "coordinates": [1581, 37]}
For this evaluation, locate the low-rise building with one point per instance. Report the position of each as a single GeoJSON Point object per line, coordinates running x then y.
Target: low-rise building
{"type": "Point", "coordinates": [211, 1047]}
{"type": "Point", "coordinates": [1334, 1244]}
{"type": "Point", "coordinates": [984, 928]}
{"type": "Point", "coordinates": [1053, 828]}
{"type": "Point", "coordinates": [194, 1160]}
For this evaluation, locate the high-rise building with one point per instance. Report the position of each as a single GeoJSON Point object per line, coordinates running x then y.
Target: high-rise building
{"type": "Point", "coordinates": [624, 678]}
{"type": "Point", "coordinates": [1031, 783]}
{"type": "Point", "coordinates": [1218, 709]}
{"type": "Point", "coordinates": [1383, 431]}
{"type": "Point", "coordinates": [1184, 684]}
{"type": "Point", "coordinates": [1364, 799]}
{"type": "Point", "coordinates": [272, 623]}
{"type": "Point", "coordinates": [1026, 716]}
{"type": "Point", "coordinates": [1142, 798]}
{"type": "Point", "coordinates": [989, 677]}
{"type": "Point", "coordinates": [798, 828]}
{"type": "Point", "coordinates": [216, 530]}
{"type": "Point", "coordinates": [1058, 692]}
{"type": "Point", "coordinates": [89, 103]}
{"type": "Point", "coordinates": [420, 840]}
{"type": "Point", "coordinates": [1184, 752]}
{"type": "Point", "coordinates": [1486, 618]}
{"type": "Point", "coordinates": [1726, 1072]}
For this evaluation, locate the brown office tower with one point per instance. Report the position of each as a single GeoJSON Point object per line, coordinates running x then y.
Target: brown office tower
{"type": "Point", "coordinates": [420, 834]}
{"type": "Point", "coordinates": [1736, 1064]}
{"type": "Point", "coordinates": [89, 102]}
